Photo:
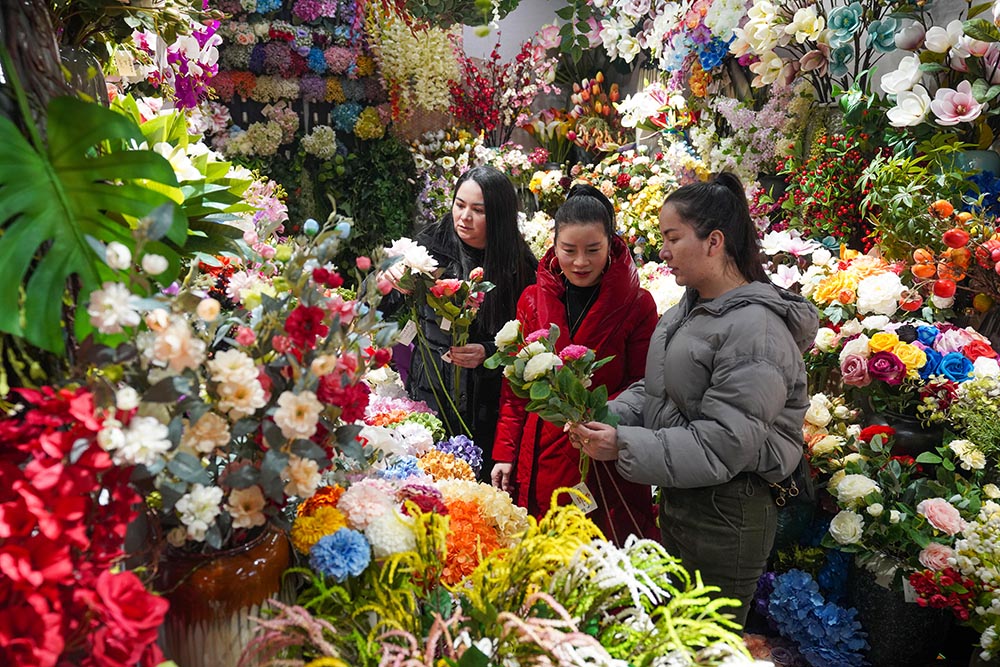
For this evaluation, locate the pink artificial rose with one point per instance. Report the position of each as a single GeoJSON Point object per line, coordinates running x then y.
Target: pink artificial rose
{"type": "Point", "coordinates": [384, 286]}
{"type": "Point", "coordinates": [935, 556]}
{"type": "Point", "coordinates": [573, 352]}
{"type": "Point", "coordinates": [952, 340]}
{"type": "Point", "coordinates": [446, 287]}
{"type": "Point", "coordinates": [942, 515]}
{"type": "Point", "coordinates": [245, 336]}
{"type": "Point", "coordinates": [536, 335]}
{"type": "Point", "coordinates": [363, 263]}
{"type": "Point", "coordinates": [854, 371]}
{"type": "Point", "coordinates": [476, 274]}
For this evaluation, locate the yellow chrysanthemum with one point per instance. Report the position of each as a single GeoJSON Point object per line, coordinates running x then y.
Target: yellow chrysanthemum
{"type": "Point", "coordinates": [334, 91]}
{"type": "Point", "coordinates": [308, 530]}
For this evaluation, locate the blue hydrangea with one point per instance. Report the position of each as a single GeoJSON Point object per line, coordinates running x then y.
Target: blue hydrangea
{"type": "Point", "coordinates": [316, 61]}
{"type": "Point", "coordinates": [344, 554]}
{"type": "Point", "coordinates": [989, 186]}
{"type": "Point", "coordinates": [267, 6]}
{"type": "Point", "coordinates": [463, 448]}
{"type": "Point", "coordinates": [827, 634]}
{"type": "Point", "coordinates": [354, 89]}
{"type": "Point", "coordinates": [403, 468]}
{"type": "Point", "coordinates": [345, 116]}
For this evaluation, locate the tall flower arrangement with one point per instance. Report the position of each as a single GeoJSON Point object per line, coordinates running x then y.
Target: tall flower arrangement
{"type": "Point", "coordinates": [231, 414]}
{"type": "Point", "coordinates": [493, 97]}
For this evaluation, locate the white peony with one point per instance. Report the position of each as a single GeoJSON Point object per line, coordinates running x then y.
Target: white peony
{"type": "Point", "coordinates": [852, 489]}
{"type": "Point", "coordinates": [847, 527]}
{"type": "Point", "coordinates": [110, 308]}
{"type": "Point", "coordinates": [413, 255]}
{"type": "Point", "coordinates": [879, 294]}
{"type": "Point", "coordinates": [508, 334]}
{"type": "Point", "coordinates": [540, 364]}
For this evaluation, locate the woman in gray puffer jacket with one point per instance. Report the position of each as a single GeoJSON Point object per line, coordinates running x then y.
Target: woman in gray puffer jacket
{"type": "Point", "coordinates": [719, 414]}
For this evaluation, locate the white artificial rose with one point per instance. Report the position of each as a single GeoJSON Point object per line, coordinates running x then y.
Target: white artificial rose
{"type": "Point", "coordinates": [508, 334]}
{"type": "Point", "coordinates": [847, 527]}
{"type": "Point", "coordinates": [991, 491]}
{"type": "Point", "coordinates": [895, 516]}
{"type": "Point", "coordinates": [856, 346]}
{"type": "Point", "coordinates": [826, 338]}
{"type": "Point", "coordinates": [539, 365]}
{"type": "Point", "coordinates": [879, 294]}
{"type": "Point", "coordinates": [875, 509]}
{"type": "Point", "coordinates": [531, 350]}
{"type": "Point", "coordinates": [851, 327]}
{"type": "Point", "coordinates": [842, 412]}
{"type": "Point", "coordinates": [821, 256]}
{"type": "Point", "coordinates": [818, 414]}
{"type": "Point", "coordinates": [875, 323]}
{"type": "Point", "coordinates": [984, 367]}
{"type": "Point", "coordinates": [852, 489]}
{"type": "Point", "coordinates": [829, 444]}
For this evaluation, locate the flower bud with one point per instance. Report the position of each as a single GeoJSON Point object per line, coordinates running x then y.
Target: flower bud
{"type": "Point", "coordinates": [118, 256]}
{"type": "Point", "coordinates": [154, 264]}
{"type": "Point", "coordinates": [208, 309]}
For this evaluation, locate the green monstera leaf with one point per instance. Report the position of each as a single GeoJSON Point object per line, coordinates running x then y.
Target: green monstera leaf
{"type": "Point", "coordinates": [59, 205]}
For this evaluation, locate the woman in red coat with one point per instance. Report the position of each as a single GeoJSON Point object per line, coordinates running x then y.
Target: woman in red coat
{"type": "Point", "coordinates": [587, 284]}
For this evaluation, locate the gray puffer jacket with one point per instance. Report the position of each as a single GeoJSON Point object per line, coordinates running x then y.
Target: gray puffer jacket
{"type": "Point", "coordinates": [725, 391]}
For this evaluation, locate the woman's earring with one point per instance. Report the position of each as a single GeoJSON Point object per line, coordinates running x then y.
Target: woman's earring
{"type": "Point", "coordinates": [607, 267]}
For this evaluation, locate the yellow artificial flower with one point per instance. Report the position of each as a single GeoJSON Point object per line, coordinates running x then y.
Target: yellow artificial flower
{"type": "Point", "coordinates": [883, 341]}
{"type": "Point", "coordinates": [830, 287]}
{"type": "Point", "coordinates": [327, 662]}
{"type": "Point", "coordinates": [912, 356]}
{"type": "Point", "coordinates": [308, 530]}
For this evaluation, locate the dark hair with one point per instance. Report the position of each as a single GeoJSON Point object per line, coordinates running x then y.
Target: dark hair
{"type": "Point", "coordinates": [507, 260]}
{"type": "Point", "coordinates": [586, 205]}
{"type": "Point", "coordinates": [721, 204]}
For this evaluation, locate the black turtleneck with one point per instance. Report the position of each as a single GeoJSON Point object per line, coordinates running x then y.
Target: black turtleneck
{"type": "Point", "coordinates": [578, 303]}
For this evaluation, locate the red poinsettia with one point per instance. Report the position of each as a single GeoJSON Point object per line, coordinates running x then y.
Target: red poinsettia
{"type": "Point", "coordinates": [64, 509]}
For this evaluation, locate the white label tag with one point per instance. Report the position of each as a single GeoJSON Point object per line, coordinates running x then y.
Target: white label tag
{"type": "Point", "coordinates": [586, 504]}
{"type": "Point", "coordinates": [446, 357]}
{"type": "Point", "coordinates": [407, 334]}
{"type": "Point", "coordinates": [124, 63]}
{"type": "Point", "coordinates": [445, 324]}
{"type": "Point", "coordinates": [909, 592]}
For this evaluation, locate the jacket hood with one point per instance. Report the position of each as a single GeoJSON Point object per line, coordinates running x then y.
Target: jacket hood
{"type": "Point", "coordinates": [800, 315]}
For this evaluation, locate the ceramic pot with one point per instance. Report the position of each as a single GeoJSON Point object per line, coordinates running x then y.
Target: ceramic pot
{"type": "Point", "coordinates": [912, 438]}
{"type": "Point", "coordinates": [214, 596]}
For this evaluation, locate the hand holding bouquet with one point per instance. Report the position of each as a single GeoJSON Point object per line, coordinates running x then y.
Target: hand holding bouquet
{"type": "Point", "coordinates": [556, 384]}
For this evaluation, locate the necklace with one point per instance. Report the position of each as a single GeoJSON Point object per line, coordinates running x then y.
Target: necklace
{"type": "Point", "coordinates": [583, 312]}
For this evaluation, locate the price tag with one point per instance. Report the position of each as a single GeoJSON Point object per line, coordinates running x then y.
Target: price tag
{"type": "Point", "coordinates": [586, 504]}
{"type": "Point", "coordinates": [124, 63]}
{"type": "Point", "coordinates": [446, 357]}
{"type": "Point", "coordinates": [407, 334]}
{"type": "Point", "coordinates": [909, 592]}
{"type": "Point", "coordinates": [445, 324]}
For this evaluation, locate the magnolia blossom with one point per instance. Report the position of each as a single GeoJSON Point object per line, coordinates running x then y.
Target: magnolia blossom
{"type": "Point", "coordinates": [956, 106]}
{"type": "Point", "coordinates": [910, 37]}
{"type": "Point", "coordinates": [806, 24]}
{"type": "Point", "coordinates": [906, 75]}
{"type": "Point", "coordinates": [246, 506]}
{"type": "Point", "coordinates": [297, 414]}
{"type": "Point", "coordinates": [911, 108]}
{"type": "Point", "coordinates": [767, 69]}
{"type": "Point", "coordinates": [940, 40]}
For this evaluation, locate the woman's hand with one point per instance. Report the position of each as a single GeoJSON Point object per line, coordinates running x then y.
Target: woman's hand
{"type": "Point", "coordinates": [393, 275]}
{"type": "Point", "coordinates": [596, 440]}
{"type": "Point", "coordinates": [468, 356]}
{"type": "Point", "coordinates": [500, 476]}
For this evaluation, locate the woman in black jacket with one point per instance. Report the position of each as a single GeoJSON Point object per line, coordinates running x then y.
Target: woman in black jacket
{"type": "Point", "coordinates": [480, 231]}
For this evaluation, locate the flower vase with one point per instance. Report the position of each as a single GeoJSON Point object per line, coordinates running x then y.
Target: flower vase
{"type": "Point", "coordinates": [899, 632]}
{"type": "Point", "coordinates": [214, 596]}
{"type": "Point", "coordinates": [911, 438]}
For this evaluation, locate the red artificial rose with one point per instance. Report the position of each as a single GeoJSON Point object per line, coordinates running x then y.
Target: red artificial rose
{"type": "Point", "coordinates": [352, 399]}
{"type": "Point", "coordinates": [381, 357]}
{"type": "Point", "coordinates": [30, 632]}
{"type": "Point", "coordinates": [130, 609]}
{"type": "Point", "coordinates": [39, 560]}
{"type": "Point", "coordinates": [870, 432]}
{"type": "Point", "coordinates": [112, 649]}
{"type": "Point", "coordinates": [978, 348]}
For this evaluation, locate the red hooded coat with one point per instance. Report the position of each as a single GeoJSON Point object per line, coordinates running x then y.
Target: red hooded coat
{"type": "Point", "coordinates": [619, 323]}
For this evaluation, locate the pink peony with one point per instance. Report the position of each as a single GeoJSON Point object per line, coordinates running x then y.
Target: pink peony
{"type": "Point", "coordinates": [956, 106]}
{"type": "Point", "coordinates": [942, 515]}
{"type": "Point", "coordinates": [952, 340]}
{"type": "Point", "coordinates": [573, 352]}
{"type": "Point", "coordinates": [536, 335]}
{"type": "Point", "coordinates": [935, 556]}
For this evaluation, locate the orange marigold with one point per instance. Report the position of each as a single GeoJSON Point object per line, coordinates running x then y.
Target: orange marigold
{"type": "Point", "coordinates": [308, 530]}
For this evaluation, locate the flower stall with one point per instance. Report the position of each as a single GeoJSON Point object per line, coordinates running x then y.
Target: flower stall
{"type": "Point", "coordinates": [210, 457]}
